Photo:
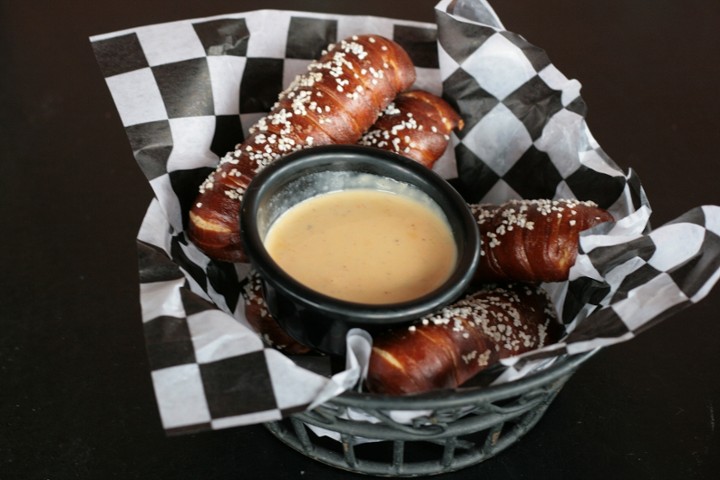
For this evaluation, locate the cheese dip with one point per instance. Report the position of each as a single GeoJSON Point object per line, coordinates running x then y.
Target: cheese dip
{"type": "Point", "coordinates": [364, 245]}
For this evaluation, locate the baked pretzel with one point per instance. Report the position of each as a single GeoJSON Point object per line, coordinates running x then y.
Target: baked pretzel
{"type": "Point", "coordinates": [417, 124]}
{"type": "Point", "coordinates": [532, 240]}
{"type": "Point", "coordinates": [447, 348]}
{"type": "Point", "coordinates": [335, 101]}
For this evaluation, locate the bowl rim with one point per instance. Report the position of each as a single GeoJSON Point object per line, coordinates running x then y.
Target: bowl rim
{"type": "Point", "coordinates": [371, 314]}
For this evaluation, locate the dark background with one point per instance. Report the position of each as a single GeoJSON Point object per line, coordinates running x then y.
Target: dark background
{"type": "Point", "coordinates": [75, 394]}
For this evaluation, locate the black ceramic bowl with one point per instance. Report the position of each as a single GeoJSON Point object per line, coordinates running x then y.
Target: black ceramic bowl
{"type": "Point", "coordinates": [312, 318]}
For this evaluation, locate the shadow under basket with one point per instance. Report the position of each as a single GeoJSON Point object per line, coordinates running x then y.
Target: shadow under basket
{"type": "Point", "coordinates": [449, 431]}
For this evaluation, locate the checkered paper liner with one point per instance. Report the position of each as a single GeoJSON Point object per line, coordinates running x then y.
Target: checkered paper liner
{"type": "Point", "coordinates": [186, 93]}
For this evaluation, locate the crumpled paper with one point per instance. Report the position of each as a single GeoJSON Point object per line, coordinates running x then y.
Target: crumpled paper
{"type": "Point", "coordinates": [187, 91]}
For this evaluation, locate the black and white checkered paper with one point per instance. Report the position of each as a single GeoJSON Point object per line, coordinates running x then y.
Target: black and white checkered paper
{"type": "Point", "coordinates": [186, 93]}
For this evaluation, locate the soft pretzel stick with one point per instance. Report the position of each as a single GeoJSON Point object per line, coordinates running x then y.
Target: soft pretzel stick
{"type": "Point", "coordinates": [417, 124]}
{"type": "Point", "coordinates": [532, 240]}
{"type": "Point", "coordinates": [335, 101]}
{"type": "Point", "coordinates": [447, 348]}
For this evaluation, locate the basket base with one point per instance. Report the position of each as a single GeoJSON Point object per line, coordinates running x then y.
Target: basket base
{"type": "Point", "coordinates": [362, 434]}
{"type": "Point", "coordinates": [434, 455]}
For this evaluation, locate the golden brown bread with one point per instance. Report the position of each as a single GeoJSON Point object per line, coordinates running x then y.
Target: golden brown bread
{"type": "Point", "coordinates": [447, 348]}
{"type": "Point", "coordinates": [532, 240]}
{"type": "Point", "coordinates": [335, 101]}
{"type": "Point", "coordinates": [417, 124]}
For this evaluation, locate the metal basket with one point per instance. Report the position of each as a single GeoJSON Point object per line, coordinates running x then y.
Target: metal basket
{"type": "Point", "coordinates": [450, 432]}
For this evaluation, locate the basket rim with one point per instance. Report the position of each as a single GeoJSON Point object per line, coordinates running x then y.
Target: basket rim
{"type": "Point", "coordinates": [562, 367]}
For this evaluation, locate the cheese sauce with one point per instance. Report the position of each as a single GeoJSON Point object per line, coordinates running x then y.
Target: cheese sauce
{"type": "Point", "coordinates": [364, 245]}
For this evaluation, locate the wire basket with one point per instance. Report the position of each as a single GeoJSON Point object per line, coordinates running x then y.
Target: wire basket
{"type": "Point", "coordinates": [448, 432]}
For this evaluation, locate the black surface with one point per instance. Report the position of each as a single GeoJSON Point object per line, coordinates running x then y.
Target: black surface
{"type": "Point", "coordinates": [76, 399]}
